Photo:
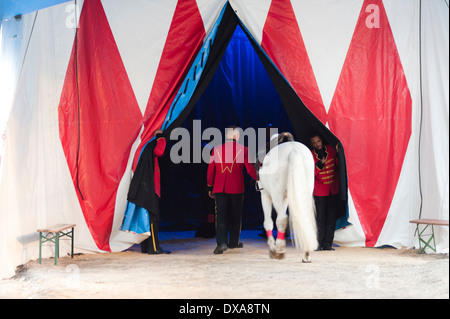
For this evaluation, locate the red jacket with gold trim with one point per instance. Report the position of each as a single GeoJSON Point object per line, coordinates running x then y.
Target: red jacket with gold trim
{"type": "Point", "coordinates": [226, 168]}
{"type": "Point", "coordinates": [326, 176]}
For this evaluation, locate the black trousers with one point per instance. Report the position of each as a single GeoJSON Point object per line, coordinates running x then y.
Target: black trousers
{"type": "Point", "coordinates": [228, 218]}
{"type": "Point", "coordinates": [151, 244]}
{"type": "Point", "coordinates": [326, 214]}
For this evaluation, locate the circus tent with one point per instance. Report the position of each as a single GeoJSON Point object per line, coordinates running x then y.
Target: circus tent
{"type": "Point", "coordinates": [84, 84]}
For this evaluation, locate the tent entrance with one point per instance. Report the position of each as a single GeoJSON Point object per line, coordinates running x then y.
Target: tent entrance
{"type": "Point", "coordinates": [240, 93]}
{"type": "Point", "coordinates": [238, 85]}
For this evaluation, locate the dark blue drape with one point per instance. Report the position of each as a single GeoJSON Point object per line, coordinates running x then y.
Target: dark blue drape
{"type": "Point", "coordinates": [241, 92]}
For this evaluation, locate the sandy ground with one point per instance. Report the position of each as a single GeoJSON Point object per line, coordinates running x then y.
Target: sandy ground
{"type": "Point", "coordinates": [192, 272]}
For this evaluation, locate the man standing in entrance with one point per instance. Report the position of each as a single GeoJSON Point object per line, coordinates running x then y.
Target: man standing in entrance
{"type": "Point", "coordinates": [145, 192]}
{"type": "Point", "coordinates": [225, 179]}
{"type": "Point", "coordinates": [326, 189]}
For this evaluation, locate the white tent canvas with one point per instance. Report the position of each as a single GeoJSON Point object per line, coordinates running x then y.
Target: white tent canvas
{"type": "Point", "coordinates": [36, 177]}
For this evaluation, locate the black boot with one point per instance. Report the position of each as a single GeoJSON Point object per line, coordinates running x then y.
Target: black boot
{"type": "Point", "coordinates": [220, 249]}
{"type": "Point", "coordinates": [153, 242]}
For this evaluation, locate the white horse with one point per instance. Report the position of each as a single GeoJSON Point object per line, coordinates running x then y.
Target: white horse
{"type": "Point", "coordinates": [286, 179]}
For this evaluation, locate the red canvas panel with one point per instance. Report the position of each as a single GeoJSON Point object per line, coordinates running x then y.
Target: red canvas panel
{"type": "Point", "coordinates": [97, 133]}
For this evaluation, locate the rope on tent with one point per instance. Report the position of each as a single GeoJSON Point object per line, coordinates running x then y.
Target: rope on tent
{"type": "Point", "coordinates": [28, 44]}
{"type": "Point", "coordinates": [78, 101]}
{"type": "Point", "coordinates": [421, 106]}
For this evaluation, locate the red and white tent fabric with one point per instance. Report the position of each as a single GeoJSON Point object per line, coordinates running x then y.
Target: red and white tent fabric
{"type": "Point", "coordinates": [374, 72]}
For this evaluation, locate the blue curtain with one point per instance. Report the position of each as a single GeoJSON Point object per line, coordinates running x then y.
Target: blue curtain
{"type": "Point", "coordinates": [240, 93]}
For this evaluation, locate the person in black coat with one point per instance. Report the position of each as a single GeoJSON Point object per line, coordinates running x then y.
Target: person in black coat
{"type": "Point", "coordinates": [145, 190]}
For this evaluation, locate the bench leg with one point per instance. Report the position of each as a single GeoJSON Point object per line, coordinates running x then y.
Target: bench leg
{"type": "Point", "coordinates": [56, 247]}
{"type": "Point", "coordinates": [426, 242]}
{"type": "Point", "coordinates": [40, 248]}
{"type": "Point", "coordinates": [434, 239]}
{"type": "Point", "coordinates": [55, 239]}
{"type": "Point", "coordinates": [73, 235]}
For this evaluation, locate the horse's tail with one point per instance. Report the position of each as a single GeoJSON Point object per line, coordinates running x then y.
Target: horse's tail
{"type": "Point", "coordinates": [302, 210]}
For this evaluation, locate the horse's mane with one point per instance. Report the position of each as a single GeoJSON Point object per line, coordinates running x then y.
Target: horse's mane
{"type": "Point", "coordinates": [285, 137]}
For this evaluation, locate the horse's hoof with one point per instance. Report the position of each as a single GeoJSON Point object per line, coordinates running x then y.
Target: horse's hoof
{"type": "Point", "coordinates": [276, 255]}
{"type": "Point", "coordinates": [280, 256]}
{"type": "Point", "coordinates": [306, 259]}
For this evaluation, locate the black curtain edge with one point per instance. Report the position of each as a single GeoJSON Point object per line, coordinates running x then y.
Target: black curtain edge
{"type": "Point", "coordinates": [223, 37]}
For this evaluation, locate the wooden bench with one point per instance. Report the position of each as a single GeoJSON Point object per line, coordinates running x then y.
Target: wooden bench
{"type": "Point", "coordinates": [53, 234]}
{"type": "Point", "coordinates": [427, 222]}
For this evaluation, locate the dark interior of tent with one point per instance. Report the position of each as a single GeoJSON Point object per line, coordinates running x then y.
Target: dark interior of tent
{"type": "Point", "coordinates": [240, 93]}
{"type": "Point", "coordinates": [241, 87]}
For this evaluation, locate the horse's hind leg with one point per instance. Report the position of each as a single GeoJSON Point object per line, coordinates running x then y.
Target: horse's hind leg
{"type": "Point", "coordinates": [282, 223]}
{"type": "Point", "coordinates": [307, 257]}
{"type": "Point", "coordinates": [266, 202]}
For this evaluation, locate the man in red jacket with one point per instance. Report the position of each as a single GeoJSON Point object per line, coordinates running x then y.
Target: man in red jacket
{"type": "Point", "coordinates": [151, 244]}
{"type": "Point", "coordinates": [225, 181]}
{"type": "Point", "coordinates": [326, 189]}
